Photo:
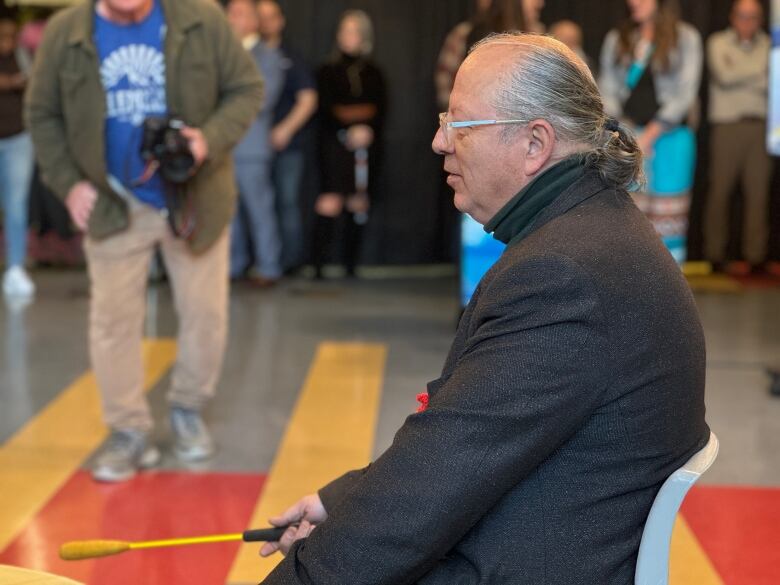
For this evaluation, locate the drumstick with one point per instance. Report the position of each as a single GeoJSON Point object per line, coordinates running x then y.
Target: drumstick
{"type": "Point", "coordinates": [88, 549]}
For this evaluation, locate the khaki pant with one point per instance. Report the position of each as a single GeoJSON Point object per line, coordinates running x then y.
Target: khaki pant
{"type": "Point", "coordinates": [118, 272]}
{"type": "Point", "coordinates": [738, 153]}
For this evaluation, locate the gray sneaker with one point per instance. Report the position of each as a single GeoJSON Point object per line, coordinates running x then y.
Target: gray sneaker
{"type": "Point", "coordinates": [124, 453]}
{"type": "Point", "coordinates": [191, 438]}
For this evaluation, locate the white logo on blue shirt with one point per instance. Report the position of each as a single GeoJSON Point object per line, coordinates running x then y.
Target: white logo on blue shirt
{"type": "Point", "coordinates": [134, 79]}
{"type": "Point", "coordinates": [132, 71]}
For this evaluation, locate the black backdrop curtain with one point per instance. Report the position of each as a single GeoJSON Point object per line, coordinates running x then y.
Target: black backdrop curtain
{"type": "Point", "coordinates": [413, 220]}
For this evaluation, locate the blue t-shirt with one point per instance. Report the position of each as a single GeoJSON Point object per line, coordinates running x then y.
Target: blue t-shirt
{"type": "Point", "coordinates": [132, 69]}
{"type": "Point", "coordinates": [297, 78]}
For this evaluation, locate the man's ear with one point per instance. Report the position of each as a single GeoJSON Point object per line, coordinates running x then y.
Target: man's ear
{"type": "Point", "coordinates": [541, 144]}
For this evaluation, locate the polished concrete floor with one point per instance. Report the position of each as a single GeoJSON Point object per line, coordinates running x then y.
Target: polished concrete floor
{"type": "Point", "coordinates": [274, 340]}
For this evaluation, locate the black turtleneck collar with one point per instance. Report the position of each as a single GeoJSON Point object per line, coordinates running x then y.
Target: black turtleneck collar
{"type": "Point", "coordinates": [516, 219]}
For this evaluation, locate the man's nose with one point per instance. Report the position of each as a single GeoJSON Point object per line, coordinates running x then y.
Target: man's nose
{"type": "Point", "coordinates": [440, 144]}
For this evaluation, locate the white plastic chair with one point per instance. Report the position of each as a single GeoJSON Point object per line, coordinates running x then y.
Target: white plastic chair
{"type": "Point", "coordinates": [652, 567]}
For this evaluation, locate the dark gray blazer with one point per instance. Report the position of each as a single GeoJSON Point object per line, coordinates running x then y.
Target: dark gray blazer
{"type": "Point", "coordinates": [573, 389]}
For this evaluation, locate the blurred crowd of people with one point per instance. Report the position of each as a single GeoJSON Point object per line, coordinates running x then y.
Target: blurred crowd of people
{"type": "Point", "coordinates": [349, 93]}
{"type": "Point", "coordinates": [267, 232]}
{"type": "Point", "coordinates": [649, 72]}
{"type": "Point", "coordinates": [173, 127]}
{"type": "Point", "coordinates": [345, 99]}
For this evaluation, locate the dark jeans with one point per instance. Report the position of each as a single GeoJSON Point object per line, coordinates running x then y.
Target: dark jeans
{"type": "Point", "coordinates": [287, 174]}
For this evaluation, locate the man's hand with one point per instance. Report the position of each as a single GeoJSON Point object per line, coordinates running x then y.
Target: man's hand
{"type": "Point", "coordinates": [307, 513]}
{"type": "Point", "coordinates": [198, 144]}
{"type": "Point", "coordinates": [647, 139]}
{"type": "Point", "coordinates": [329, 204]}
{"type": "Point", "coordinates": [280, 137]}
{"type": "Point", "coordinates": [359, 136]}
{"type": "Point", "coordinates": [80, 203]}
{"type": "Point", "coordinates": [646, 143]}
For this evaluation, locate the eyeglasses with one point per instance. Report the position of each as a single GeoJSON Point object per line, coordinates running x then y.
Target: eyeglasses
{"type": "Point", "coordinates": [447, 126]}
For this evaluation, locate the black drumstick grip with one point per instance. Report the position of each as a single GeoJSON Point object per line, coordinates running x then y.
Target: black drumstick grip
{"type": "Point", "coordinates": [263, 534]}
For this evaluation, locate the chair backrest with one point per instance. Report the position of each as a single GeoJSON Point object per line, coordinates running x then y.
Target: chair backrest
{"type": "Point", "coordinates": [652, 567]}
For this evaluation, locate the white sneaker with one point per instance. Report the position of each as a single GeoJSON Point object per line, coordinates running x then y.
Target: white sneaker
{"type": "Point", "coordinates": [17, 283]}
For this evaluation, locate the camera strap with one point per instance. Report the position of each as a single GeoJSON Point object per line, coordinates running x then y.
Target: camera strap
{"type": "Point", "coordinates": [181, 215]}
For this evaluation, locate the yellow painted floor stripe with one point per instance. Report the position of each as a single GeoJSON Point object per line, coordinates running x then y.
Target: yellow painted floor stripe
{"type": "Point", "coordinates": [43, 454]}
{"type": "Point", "coordinates": [330, 432]}
{"type": "Point", "coordinates": [718, 283]}
{"type": "Point", "coordinates": [689, 564]}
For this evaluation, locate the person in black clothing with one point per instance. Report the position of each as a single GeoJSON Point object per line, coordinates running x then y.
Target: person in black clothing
{"type": "Point", "coordinates": [352, 105]}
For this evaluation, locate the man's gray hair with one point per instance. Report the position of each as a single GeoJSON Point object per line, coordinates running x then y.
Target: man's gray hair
{"type": "Point", "coordinates": [549, 81]}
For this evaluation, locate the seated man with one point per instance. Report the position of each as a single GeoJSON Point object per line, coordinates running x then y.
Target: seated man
{"type": "Point", "coordinates": [575, 384]}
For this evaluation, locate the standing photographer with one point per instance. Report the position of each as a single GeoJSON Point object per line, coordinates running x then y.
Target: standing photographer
{"type": "Point", "coordinates": [106, 68]}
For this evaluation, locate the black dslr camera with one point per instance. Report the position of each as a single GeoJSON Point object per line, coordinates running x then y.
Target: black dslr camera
{"type": "Point", "coordinates": [164, 145]}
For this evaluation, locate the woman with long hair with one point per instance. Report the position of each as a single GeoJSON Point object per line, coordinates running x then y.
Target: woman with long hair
{"type": "Point", "coordinates": [650, 75]}
{"type": "Point", "coordinates": [352, 106]}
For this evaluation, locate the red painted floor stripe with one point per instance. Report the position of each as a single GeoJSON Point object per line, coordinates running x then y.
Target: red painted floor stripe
{"type": "Point", "coordinates": [739, 529]}
{"type": "Point", "coordinates": [152, 506]}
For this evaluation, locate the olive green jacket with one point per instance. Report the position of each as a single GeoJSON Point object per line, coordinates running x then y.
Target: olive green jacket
{"type": "Point", "coordinates": [211, 83]}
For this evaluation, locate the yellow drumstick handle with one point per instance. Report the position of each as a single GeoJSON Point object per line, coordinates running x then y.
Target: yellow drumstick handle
{"type": "Point", "coordinates": [185, 541]}
{"type": "Point", "coordinates": [87, 549]}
